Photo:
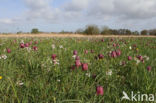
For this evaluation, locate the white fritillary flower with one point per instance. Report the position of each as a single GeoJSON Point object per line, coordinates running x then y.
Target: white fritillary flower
{"type": "Point", "coordinates": [109, 72]}
{"type": "Point", "coordinates": [130, 47]}
{"type": "Point", "coordinates": [19, 83]}
{"type": "Point", "coordinates": [88, 74]}
{"type": "Point", "coordinates": [74, 56]}
{"type": "Point", "coordinates": [28, 49]}
{"type": "Point", "coordinates": [53, 46]}
{"type": "Point", "coordinates": [137, 60]}
{"type": "Point", "coordinates": [61, 46]}
{"type": "Point", "coordinates": [22, 41]}
{"type": "Point", "coordinates": [4, 57]}
{"type": "Point", "coordinates": [56, 62]}
{"type": "Point", "coordinates": [58, 80]}
{"type": "Point", "coordinates": [146, 57]}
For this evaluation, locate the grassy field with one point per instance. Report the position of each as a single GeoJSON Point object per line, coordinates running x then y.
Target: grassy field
{"type": "Point", "coordinates": [76, 70]}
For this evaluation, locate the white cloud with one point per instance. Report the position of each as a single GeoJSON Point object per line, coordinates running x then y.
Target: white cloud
{"type": "Point", "coordinates": [6, 21]}
{"type": "Point", "coordinates": [122, 13]}
{"type": "Point", "coordinates": [40, 9]}
{"type": "Point", "coordinates": [76, 5]}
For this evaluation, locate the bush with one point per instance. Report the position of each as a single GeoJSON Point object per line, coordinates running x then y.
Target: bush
{"type": "Point", "coordinates": [91, 30]}
{"type": "Point", "coordinates": [106, 31]}
{"type": "Point", "coordinates": [79, 31]}
{"type": "Point", "coordinates": [152, 32]}
{"type": "Point", "coordinates": [144, 32]}
{"type": "Point", "coordinates": [35, 31]}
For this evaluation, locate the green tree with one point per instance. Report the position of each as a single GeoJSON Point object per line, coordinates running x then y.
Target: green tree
{"type": "Point", "coordinates": [144, 32]}
{"type": "Point", "coordinates": [105, 30]}
{"type": "Point", "coordinates": [35, 31]}
{"type": "Point", "coordinates": [92, 29]}
{"type": "Point", "coordinates": [152, 32]}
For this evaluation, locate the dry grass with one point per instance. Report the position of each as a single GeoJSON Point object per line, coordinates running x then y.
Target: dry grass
{"type": "Point", "coordinates": [66, 35]}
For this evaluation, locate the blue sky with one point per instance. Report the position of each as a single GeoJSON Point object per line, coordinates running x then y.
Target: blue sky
{"type": "Point", "coordinates": [70, 15]}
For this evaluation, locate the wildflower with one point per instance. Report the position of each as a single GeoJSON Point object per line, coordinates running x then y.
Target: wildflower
{"type": "Point", "coordinates": [22, 45]}
{"type": "Point", "coordinates": [94, 76]}
{"type": "Point", "coordinates": [113, 54]}
{"type": "Point", "coordinates": [102, 40]}
{"type": "Point", "coordinates": [92, 51]}
{"type": "Point", "coordinates": [28, 49]}
{"type": "Point", "coordinates": [26, 45]}
{"type": "Point", "coordinates": [22, 42]}
{"type": "Point", "coordinates": [4, 57]}
{"type": "Point", "coordinates": [84, 66]}
{"type": "Point", "coordinates": [8, 50]}
{"type": "Point", "coordinates": [99, 90]}
{"type": "Point", "coordinates": [53, 46]}
{"type": "Point", "coordinates": [61, 46]}
{"type": "Point", "coordinates": [118, 52]}
{"type": "Point", "coordinates": [77, 58]}
{"type": "Point", "coordinates": [74, 56]}
{"type": "Point", "coordinates": [109, 72]}
{"type": "Point", "coordinates": [129, 58]}
{"type": "Point", "coordinates": [58, 80]}
{"type": "Point", "coordinates": [19, 83]}
{"type": "Point", "coordinates": [149, 68]}
{"type": "Point", "coordinates": [56, 62]}
{"type": "Point", "coordinates": [140, 57]}
{"type": "Point", "coordinates": [36, 42]}
{"type": "Point", "coordinates": [114, 45]}
{"type": "Point", "coordinates": [101, 56]}
{"type": "Point", "coordinates": [88, 74]}
{"type": "Point", "coordinates": [73, 67]}
{"type": "Point", "coordinates": [35, 48]}
{"type": "Point", "coordinates": [1, 77]}
{"type": "Point", "coordinates": [130, 48]}
{"type": "Point", "coordinates": [30, 42]}
{"type": "Point", "coordinates": [146, 57]}
{"type": "Point", "coordinates": [77, 63]}
{"type": "Point", "coordinates": [86, 51]}
{"type": "Point", "coordinates": [75, 52]}
{"type": "Point", "coordinates": [53, 56]}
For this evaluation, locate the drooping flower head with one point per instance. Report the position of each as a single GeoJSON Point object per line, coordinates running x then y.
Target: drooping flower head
{"type": "Point", "coordinates": [149, 68]}
{"type": "Point", "coordinates": [77, 63]}
{"type": "Point", "coordinates": [129, 58]}
{"type": "Point", "coordinates": [99, 90]}
{"type": "Point", "coordinates": [118, 52]}
{"type": "Point", "coordinates": [113, 54]}
{"type": "Point", "coordinates": [53, 56]}
{"type": "Point", "coordinates": [35, 48]}
{"type": "Point", "coordinates": [8, 50]}
{"type": "Point", "coordinates": [26, 44]}
{"type": "Point", "coordinates": [75, 52]}
{"type": "Point", "coordinates": [84, 66]}
{"type": "Point", "coordinates": [22, 45]}
{"type": "Point", "coordinates": [100, 56]}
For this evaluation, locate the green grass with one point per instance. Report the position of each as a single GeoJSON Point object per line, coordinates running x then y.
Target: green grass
{"type": "Point", "coordinates": [44, 82]}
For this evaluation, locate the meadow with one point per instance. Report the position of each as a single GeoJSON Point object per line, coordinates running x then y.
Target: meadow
{"type": "Point", "coordinates": [76, 70]}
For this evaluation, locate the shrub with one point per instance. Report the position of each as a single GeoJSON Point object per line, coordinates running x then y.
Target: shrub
{"type": "Point", "coordinates": [79, 31]}
{"type": "Point", "coordinates": [144, 32]}
{"type": "Point", "coordinates": [35, 31]}
{"type": "Point", "coordinates": [91, 30]}
{"type": "Point", "coordinates": [106, 30]}
{"type": "Point", "coordinates": [152, 32]}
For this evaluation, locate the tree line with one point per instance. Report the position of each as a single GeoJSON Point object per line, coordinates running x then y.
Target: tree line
{"type": "Point", "coordinates": [95, 30]}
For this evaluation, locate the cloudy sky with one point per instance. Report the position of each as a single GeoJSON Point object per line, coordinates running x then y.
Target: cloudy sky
{"type": "Point", "coordinates": [58, 15]}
